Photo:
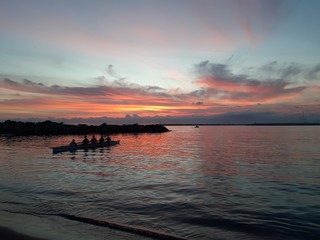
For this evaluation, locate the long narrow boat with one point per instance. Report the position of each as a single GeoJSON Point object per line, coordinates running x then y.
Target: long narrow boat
{"type": "Point", "coordinates": [86, 146]}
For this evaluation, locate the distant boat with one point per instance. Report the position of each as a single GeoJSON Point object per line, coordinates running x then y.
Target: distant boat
{"type": "Point", "coordinates": [196, 126]}
{"type": "Point", "coordinates": [84, 146]}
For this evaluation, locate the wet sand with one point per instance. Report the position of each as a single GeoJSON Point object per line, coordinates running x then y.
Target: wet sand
{"type": "Point", "coordinates": [14, 226]}
{"type": "Point", "coordinates": [8, 234]}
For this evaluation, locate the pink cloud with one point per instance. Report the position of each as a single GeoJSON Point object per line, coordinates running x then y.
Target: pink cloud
{"type": "Point", "coordinates": [220, 83]}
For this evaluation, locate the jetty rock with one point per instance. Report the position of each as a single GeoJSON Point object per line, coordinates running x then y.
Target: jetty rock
{"type": "Point", "coordinates": [54, 128]}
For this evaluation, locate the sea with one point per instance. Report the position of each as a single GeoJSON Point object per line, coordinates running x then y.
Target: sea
{"type": "Point", "coordinates": [211, 182]}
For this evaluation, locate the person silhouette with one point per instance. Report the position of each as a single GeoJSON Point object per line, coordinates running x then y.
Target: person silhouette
{"type": "Point", "coordinates": [85, 141]}
{"type": "Point", "coordinates": [101, 140]}
{"type": "Point", "coordinates": [73, 143]}
{"type": "Point", "coordinates": [108, 139]}
{"type": "Point", "coordinates": [93, 140]}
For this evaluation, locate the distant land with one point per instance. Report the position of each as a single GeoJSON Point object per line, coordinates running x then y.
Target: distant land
{"type": "Point", "coordinates": [54, 128]}
{"type": "Point", "coordinates": [247, 124]}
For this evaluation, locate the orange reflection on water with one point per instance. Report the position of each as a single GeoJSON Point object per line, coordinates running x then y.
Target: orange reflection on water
{"type": "Point", "coordinates": [150, 155]}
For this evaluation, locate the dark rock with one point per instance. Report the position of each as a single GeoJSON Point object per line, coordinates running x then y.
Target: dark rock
{"type": "Point", "coordinates": [53, 128]}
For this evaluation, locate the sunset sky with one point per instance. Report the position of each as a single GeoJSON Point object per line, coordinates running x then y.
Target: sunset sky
{"type": "Point", "coordinates": [160, 61]}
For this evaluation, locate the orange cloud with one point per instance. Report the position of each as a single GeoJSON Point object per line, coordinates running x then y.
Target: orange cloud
{"type": "Point", "coordinates": [114, 99]}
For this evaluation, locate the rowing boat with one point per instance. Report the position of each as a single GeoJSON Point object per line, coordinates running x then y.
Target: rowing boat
{"type": "Point", "coordinates": [84, 146]}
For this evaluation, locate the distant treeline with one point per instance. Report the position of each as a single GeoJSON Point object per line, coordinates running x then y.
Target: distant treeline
{"type": "Point", "coordinates": [54, 128]}
{"type": "Point", "coordinates": [245, 124]}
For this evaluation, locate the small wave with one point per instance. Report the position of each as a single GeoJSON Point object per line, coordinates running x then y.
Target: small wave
{"type": "Point", "coordinates": [275, 228]}
{"type": "Point", "coordinates": [123, 227]}
{"type": "Point", "coordinates": [228, 224]}
{"type": "Point", "coordinates": [13, 203]}
{"type": "Point", "coordinates": [106, 223]}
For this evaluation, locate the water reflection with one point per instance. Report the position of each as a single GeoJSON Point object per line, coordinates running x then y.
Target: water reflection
{"type": "Point", "coordinates": [256, 151]}
{"type": "Point", "coordinates": [192, 181]}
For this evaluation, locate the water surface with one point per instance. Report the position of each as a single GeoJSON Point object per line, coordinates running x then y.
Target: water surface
{"type": "Point", "coordinates": [211, 182]}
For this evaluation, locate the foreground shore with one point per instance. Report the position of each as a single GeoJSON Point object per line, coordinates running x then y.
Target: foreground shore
{"type": "Point", "coordinates": [19, 226]}
{"type": "Point", "coordinates": [8, 234]}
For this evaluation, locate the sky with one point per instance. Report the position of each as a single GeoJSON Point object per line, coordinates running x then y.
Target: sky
{"type": "Point", "coordinates": [152, 61]}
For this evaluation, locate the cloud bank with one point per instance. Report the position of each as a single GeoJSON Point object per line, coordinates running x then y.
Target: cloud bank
{"type": "Point", "coordinates": [277, 88]}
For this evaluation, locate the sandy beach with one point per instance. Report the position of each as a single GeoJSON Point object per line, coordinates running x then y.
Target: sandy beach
{"type": "Point", "coordinates": [28, 227]}
{"type": "Point", "coordinates": [8, 234]}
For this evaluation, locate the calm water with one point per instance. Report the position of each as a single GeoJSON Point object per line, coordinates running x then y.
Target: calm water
{"type": "Point", "coordinates": [196, 183]}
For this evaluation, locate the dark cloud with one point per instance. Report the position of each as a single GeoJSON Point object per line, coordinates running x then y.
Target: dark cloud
{"type": "Point", "coordinates": [291, 70]}
{"type": "Point", "coordinates": [314, 73]}
{"type": "Point", "coordinates": [219, 82]}
{"type": "Point", "coordinates": [113, 73]}
{"type": "Point", "coordinates": [286, 71]}
{"type": "Point", "coordinates": [197, 103]}
{"type": "Point", "coordinates": [9, 82]}
{"type": "Point", "coordinates": [214, 69]}
{"type": "Point", "coordinates": [154, 88]}
{"type": "Point", "coordinates": [117, 87]}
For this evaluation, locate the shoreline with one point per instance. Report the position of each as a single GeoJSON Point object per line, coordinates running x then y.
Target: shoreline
{"type": "Point", "coordinates": [7, 233]}
{"type": "Point", "coordinates": [21, 226]}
